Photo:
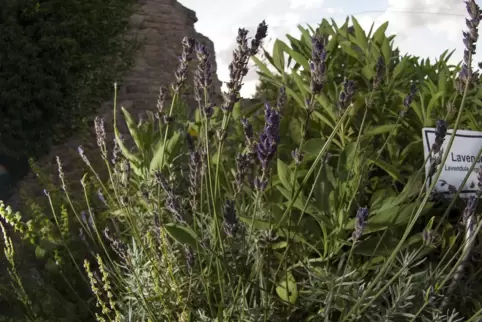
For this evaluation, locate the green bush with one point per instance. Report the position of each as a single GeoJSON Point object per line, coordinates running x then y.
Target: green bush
{"type": "Point", "coordinates": [379, 114]}
{"type": "Point", "coordinates": [56, 58]}
{"type": "Point", "coordinates": [231, 217]}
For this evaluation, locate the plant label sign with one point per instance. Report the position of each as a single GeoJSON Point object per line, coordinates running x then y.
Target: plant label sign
{"type": "Point", "coordinates": [461, 157]}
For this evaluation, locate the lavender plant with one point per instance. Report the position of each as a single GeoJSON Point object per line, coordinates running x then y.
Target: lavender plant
{"type": "Point", "coordinates": [240, 223]}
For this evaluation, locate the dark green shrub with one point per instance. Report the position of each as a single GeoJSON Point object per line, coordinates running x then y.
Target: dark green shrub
{"type": "Point", "coordinates": [57, 59]}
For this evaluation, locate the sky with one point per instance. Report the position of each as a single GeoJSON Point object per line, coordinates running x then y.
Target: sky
{"type": "Point", "coordinates": [423, 28]}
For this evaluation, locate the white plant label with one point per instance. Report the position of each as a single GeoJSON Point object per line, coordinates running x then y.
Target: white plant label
{"type": "Point", "coordinates": [462, 155]}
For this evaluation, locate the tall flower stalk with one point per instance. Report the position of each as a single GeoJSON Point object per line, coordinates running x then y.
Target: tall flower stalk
{"type": "Point", "coordinates": [237, 70]}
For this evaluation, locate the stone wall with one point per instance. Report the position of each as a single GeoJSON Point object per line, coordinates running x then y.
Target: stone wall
{"type": "Point", "coordinates": [159, 25]}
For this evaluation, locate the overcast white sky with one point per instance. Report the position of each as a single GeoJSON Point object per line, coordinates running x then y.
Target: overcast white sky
{"type": "Point", "coordinates": [423, 27]}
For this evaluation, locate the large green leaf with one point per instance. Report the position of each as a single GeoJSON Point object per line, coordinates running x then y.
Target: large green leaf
{"type": "Point", "coordinates": [278, 56]}
{"type": "Point", "coordinates": [262, 66]}
{"type": "Point", "coordinates": [134, 159]}
{"type": "Point", "coordinates": [161, 153]}
{"type": "Point", "coordinates": [302, 87]}
{"type": "Point", "coordinates": [182, 234]}
{"type": "Point", "coordinates": [133, 129]}
{"type": "Point", "coordinates": [298, 57]}
{"type": "Point", "coordinates": [287, 289]}
{"type": "Point", "coordinates": [381, 129]}
{"type": "Point", "coordinates": [379, 35]}
{"type": "Point", "coordinates": [360, 37]}
{"type": "Point", "coordinates": [312, 147]}
{"type": "Point", "coordinates": [388, 168]}
{"type": "Point", "coordinates": [284, 174]}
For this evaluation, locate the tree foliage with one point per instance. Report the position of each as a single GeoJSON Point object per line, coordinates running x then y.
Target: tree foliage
{"type": "Point", "coordinates": [57, 61]}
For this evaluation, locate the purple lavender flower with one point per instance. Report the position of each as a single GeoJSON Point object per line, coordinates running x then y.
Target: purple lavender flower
{"type": "Point", "coordinates": [238, 67]}
{"type": "Point", "coordinates": [184, 59]}
{"type": "Point", "coordinates": [203, 80]}
{"type": "Point", "coordinates": [346, 95]}
{"type": "Point", "coordinates": [260, 184]}
{"type": "Point", "coordinates": [87, 219]}
{"type": "Point", "coordinates": [61, 173]}
{"type": "Point", "coordinates": [248, 130]}
{"type": "Point", "coordinates": [470, 38]}
{"type": "Point", "coordinates": [116, 151]}
{"type": "Point", "coordinates": [117, 245]}
{"type": "Point", "coordinates": [195, 164]}
{"type": "Point", "coordinates": [297, 156]}
{"type": "Point", "coordinates": [261, 34]}
{"type": "Point", "coordinates": [189, 258]}
{"type": "Point", "coordinates": [440, 133]}
{"type": "Point", "coordinates": [243, 162]}
{"type": "Point", "coordinates": [126, 172]}
{"type": "Point", "coordinates": [269, 138]}
{"type": "Point", "coordinates": [173, 203]}
{"type": "Point", "coordinates": [360, 222]}
{"type": "Point", "coordinates": [101, 136]}
{"type": "Point", "coordinates": [174, 206]}
{"type": "Point", "coordinates": [479, 177]}
{"type": "Point", "coordinates": [409, 98]}
{"type": "Point", "coordinates": [101, 197]}
{"type": "Point", "coordinates": [281, 98]}
{"type": "Point", "coordinates": [407, 101]}
{"type": "Point", "coordinates": [162, 181]}
{"type": "Point", "coordinates": [237, 70]}
{"type": "Point", "coordinates": [318, 64]}
{"type": "Point", "coordinates": [204, 70]}
{"type": "Point", "coordinates": [83, 156]}
{"type": "Point", "coordinates": [161, 99]}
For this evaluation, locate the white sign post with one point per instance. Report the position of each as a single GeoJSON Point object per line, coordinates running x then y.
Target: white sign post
{"type": "Point", "coordinates": [462, 155]}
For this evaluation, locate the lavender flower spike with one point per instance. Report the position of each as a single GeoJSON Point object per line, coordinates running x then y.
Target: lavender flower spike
{"type": "Point", "coordinates": [184, 59]}
{"type": "Point", "coordinates": [238, 68]}
{"type": "Point", "coordinates": [346, 95]}
{"type": "Point", "coordinates": [360, 222]}
{"type": "Point", "coordinates": [269, 138]}
{"type": "Point", "coordinates": [318, 64]}
{"type": "Point", "coordinates": [470, 39]}
{"type": "Point", "coordinates": [203, 79]}
{"type": "Point", "coordinates": [440, 133]}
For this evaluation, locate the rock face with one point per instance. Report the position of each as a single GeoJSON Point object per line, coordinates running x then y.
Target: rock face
{"type": "Point", "coordinates": [160, 26]}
